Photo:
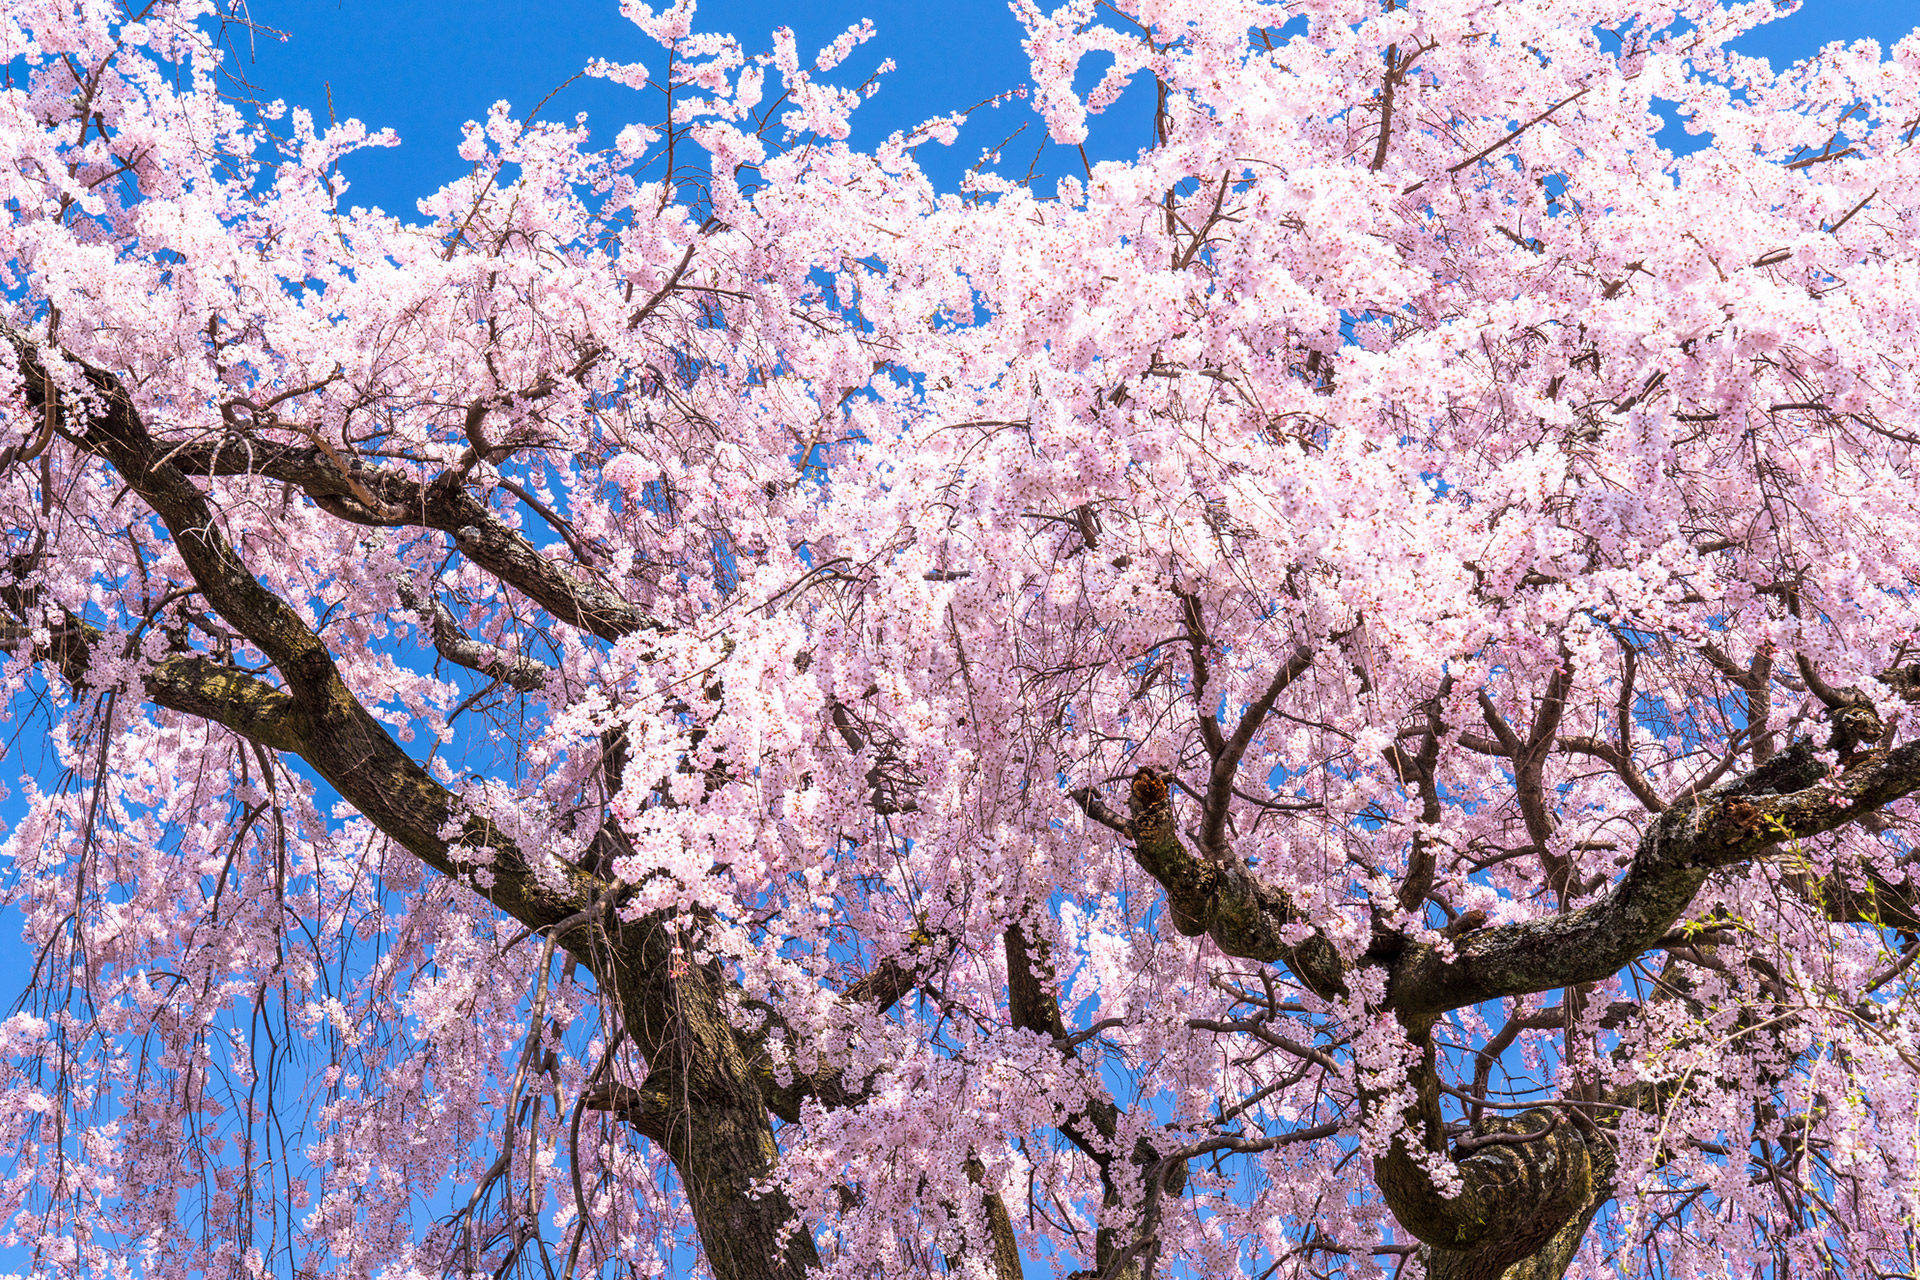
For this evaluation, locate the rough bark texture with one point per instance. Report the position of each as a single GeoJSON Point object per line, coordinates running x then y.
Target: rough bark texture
{"type": "Point", "coordinates": [1245, 917]}
{"type": "Point", "coordinates": [1516, 1199]}
{"type": "Point", "coordinates": [1549, 1260]}
{"type": "Point", "coordinates": [711, 1093]}
{"type": "Point", "coordinates": [705, 1108]}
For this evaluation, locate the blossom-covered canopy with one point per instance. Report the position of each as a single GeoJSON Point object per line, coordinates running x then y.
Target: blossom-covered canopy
{"type": "Point", "coordinates": [1332, 698]}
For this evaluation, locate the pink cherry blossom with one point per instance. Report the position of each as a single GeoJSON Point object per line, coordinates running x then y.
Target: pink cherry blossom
{"type": "Point", "coordinates": [1333, 697]}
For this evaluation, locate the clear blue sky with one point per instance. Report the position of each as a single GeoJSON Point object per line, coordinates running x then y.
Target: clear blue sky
{"type": "Point", "coordinates": [423, 67]}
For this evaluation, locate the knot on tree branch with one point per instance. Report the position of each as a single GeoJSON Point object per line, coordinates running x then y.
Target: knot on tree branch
{"type": "Point", "coordinates": [1219, 898]}
{"type": "Point", "coordinates": [1524, 1177]}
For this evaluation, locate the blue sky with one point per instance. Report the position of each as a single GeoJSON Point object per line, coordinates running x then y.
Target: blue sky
{"type": "Point", "coordinates": [423, 67]}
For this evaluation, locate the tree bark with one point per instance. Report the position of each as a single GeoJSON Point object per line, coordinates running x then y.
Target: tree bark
{"type": "Point", "coordinates": [1549, 1261]}
{"type": "Point", "coordinates": [704, 1107]}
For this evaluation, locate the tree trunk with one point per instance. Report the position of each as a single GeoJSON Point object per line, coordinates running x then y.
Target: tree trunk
{"type": "Point", "coordinates": [702, 1104]}
{"type": "Point", "coordinates": [1549, 1261]}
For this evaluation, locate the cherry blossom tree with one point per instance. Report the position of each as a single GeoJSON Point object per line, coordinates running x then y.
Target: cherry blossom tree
{"type": "Point", "coordinates": [1328, 699]}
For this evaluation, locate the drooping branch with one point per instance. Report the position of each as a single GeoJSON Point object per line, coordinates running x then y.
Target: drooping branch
{"type": "Point", "coordinates": [337, 735]}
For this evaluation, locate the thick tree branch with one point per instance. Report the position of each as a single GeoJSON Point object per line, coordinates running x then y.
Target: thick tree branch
{"type": "Point", "coordinates": [1386, 108]}
{"type": "Point", "coordinates": [1419, 770]}
{"type": "Point", "coordinates": [1244, 916]}
{"type": "Point", "coordinates": [1033, 1006]}
{"type": "Point", "coordinates": [190, 683]}
{"type": "Point", "coordinates": [878, 991]}
{"type": "Point", "coordinates": [1005, 1256]}
{"type": "Point", "coordinates": [1529, 776]}
{"type": "Point", "coordinates": [1578, 1195]}
{"type": "Point", "coordinates": [1197, 646]}
{"type": "Point", "coordinates": [344, 743]}
{"type": "Point", "coordinates": [569, 594]}
{"type": "Point", "coordinates": [457, 647]}
{"type": "Point", "coordinates": [1792, 797]}
{"type": "Point", "coordinates": [1522, 1179]}
{"type": "Point", "coordinates": [248, 705]}
{"type": "Point", "coordinates": [718, 1136]}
